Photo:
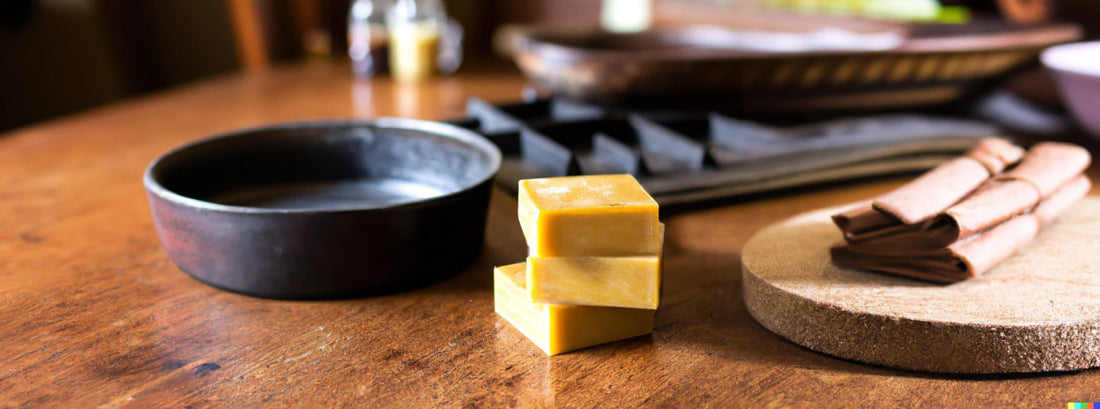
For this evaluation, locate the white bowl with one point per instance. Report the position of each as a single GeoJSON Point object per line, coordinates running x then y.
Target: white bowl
{"type": "Point", "coordinates": [1076, 68]}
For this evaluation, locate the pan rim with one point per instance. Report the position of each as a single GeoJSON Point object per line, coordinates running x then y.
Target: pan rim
{"type": "Point", "coordinates": [465, 136]}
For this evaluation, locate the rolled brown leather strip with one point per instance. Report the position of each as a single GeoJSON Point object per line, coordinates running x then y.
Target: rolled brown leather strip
{"type": "Point", "coordinates": [996, 154]}
{"type": "Point", "coordinates": [942, 267]}
{"type": "Point", "coordinates": [904, 239]}
{"type": "Point", "coordinates": [982, 252]}
{"type": "Point", "coordinates": [996, 201]}
{"type": "Point", "coordinates": [964, 259]}
{"type": "Point", "coordinates": [932, 192]}
{"type": "Point", "coordinates": [935, 191]}
{"type": "Point", "coordinates": [980, 221]}
{"type": "Point", "coordinates": [1049, 165]}
{"type": "Point", "coordinates": [862, 218]}
{"type": "Point", "coordinates": [1045, 167]}
{"type": "Point", "coordinates": [992, 203]}
{"type": "Point", "coordinates": [1062, 199]}
{"type": "Point", "coordinates": [971, 256]}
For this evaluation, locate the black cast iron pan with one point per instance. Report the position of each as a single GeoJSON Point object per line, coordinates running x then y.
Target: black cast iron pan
{"type": "Point", "coordinates": [325, 209]}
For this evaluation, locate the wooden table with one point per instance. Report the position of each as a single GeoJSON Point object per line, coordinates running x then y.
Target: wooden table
{"type": "Point", "coordinates": [94, 313]}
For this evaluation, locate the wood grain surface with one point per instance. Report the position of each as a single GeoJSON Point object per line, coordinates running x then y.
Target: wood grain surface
{"type": "Point", "coordinates": [94, 313]}
{"type": "Point", "coordinates": [1038, 311]}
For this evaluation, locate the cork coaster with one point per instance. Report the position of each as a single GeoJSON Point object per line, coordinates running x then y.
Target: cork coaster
{"type": "Point", "coordinates": [1037, 311]}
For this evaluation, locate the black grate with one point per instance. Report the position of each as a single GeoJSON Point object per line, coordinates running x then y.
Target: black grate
{"type": "Point", "coordinates": [687, 157]}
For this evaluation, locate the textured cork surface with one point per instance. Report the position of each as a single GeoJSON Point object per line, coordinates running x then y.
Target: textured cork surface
{"type": "Point", "coordinates": [1038, 311]}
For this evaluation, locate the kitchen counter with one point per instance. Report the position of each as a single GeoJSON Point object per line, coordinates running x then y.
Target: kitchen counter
{"type": "Point", "coordinates": [95, 314]}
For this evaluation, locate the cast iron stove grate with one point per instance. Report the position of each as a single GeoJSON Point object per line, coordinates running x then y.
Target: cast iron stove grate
{"type": "Point", "coordinates": [689, 157]}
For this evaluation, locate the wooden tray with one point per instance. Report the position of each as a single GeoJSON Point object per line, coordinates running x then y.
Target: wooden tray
{"type": "Point", "coordinates": [1038, 311]}
{"type": "Point", "coordinates": [933, 64]}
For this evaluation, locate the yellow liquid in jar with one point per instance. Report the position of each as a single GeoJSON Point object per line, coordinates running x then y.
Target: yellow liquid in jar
{"type": "Point", "coordinates": [413, 51]}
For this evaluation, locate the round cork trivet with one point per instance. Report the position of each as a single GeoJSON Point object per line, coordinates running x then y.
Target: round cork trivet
{"type": "Point", "coordinates": [1037, 311]}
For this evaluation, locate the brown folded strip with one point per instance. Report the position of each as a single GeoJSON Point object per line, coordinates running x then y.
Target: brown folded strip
{"type": "Point", "coordinates": [932, 192]}
{"type": "Point", "coordinates": [905, 239]}
{"type": "Point", "coordinates": [940, 268]}
{"type": "Point", "coordinates": [1046, 167]}
{"type": "Point", "coordinates": [970, 256]}
{"type": "Point", "coordinates": [996, 154]}
{"type": "Point", "coordinates": [981, 252]}
{"type": "Point", "coordinates": [1049, 165]}
{"type": "Point", "coordinates": [862, 218]}
{"type": "Point", "coordinates": [990, 248]}
{"type": "Point", "coordinates": [1062, 199]}
{"type": "Point", "coordinates": [993, 202]}
{"type": "Point", "coordinates": [992, 154]}
{"type": "Point", "coordinates": [967, 259]}
{"type": "Point", "coordinates": [941, 187]}
{"type": "Point", "coordinates": [972, 231]}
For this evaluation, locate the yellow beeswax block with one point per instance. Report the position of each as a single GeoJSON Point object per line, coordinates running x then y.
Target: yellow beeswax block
{"type": "Point", "coordinates": [562, 328]}
{"type": "Point", "coordinates": [598, 215]}
{"type": "Point", "coordinates": [628, 282]}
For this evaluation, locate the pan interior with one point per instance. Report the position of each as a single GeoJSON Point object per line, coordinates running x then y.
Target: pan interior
{"type": "Point", "coordinates": [325, 195]}
{"type": "Point", "coordinates": [329, 167]}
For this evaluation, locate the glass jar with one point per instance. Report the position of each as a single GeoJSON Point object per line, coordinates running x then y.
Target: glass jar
{"type": "Point", "coordinates": [368, 38]}
{"type": "Point", "coordinates": [415, 28]}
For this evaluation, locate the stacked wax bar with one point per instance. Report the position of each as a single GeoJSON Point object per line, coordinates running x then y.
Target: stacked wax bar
{"type": "Point", "coordinates": [593, 271]}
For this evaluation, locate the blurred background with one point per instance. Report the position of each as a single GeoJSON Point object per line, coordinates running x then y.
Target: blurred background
{"type": "Point", "coordinates": [62, 56]}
